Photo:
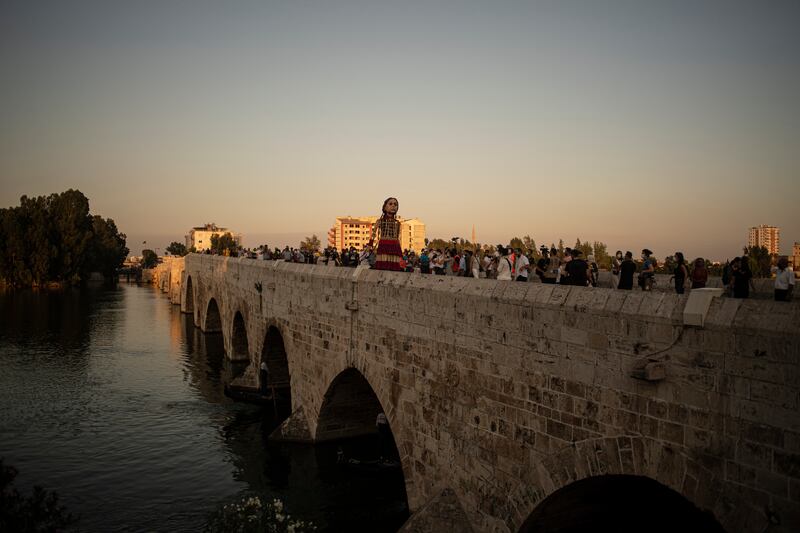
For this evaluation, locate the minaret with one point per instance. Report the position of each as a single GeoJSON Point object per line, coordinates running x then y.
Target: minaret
{"type": "Point", "coordinates": [473, 234]}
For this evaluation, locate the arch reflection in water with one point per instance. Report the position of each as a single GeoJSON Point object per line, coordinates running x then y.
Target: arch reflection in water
{"type": "Point", "coordinates": [619, 503]}
{"type": "Point", "coordinates": [351, 448]}
{"type": "Point", "coordinates": [278, 380]}
{"type": "Point", "coordinates": [213, 322]}
{"type": "Point", "coordinates": [189, 305]}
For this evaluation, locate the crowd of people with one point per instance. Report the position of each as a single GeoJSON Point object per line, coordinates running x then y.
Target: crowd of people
{"type": "Point", "coordinates": [569, 267]}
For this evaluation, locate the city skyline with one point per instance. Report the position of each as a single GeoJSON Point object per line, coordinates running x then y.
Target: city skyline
{"type": "Point", "coordinates": [668, 126]}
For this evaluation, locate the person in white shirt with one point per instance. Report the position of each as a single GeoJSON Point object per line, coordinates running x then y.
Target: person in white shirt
{"type": "Point", "coordinates": [784, 280]}
{"type": "Point", "coordinates": [523, 266]}
{"type": "Point", "coordinates": [503, 265]}
{"type": "Point", "coordinates": [475, 265]}
{"type": "Point", "coordinates": [487, 266]}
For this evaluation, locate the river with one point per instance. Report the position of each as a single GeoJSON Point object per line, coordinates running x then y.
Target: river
{"type": "Point", "coordinates": [114, 399]}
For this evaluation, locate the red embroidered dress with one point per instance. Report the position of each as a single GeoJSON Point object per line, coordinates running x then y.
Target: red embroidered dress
{"type": "Point", "coordinates": [386, 231]}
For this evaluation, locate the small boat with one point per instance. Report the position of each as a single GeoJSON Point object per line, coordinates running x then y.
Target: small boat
{"type": "Point", "coordinates": [375, 466]}
{"type": "Point", "coordinates": [244, 394]}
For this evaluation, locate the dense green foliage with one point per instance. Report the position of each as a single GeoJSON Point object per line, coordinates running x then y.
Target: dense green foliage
{"type": "Point", "coordinates": [55, 239]}
{"type": "Point", "coordinates": [760, 261]}
{"type": "Point", "coordinates": [38, 512]}
{"type": "Point", "coordinates": [310, 244]}
{"type": "Point", "coordinates": [149, 259]}
{"type": "Point", "coordinates": [177, 248]}
{"type": "Point", "coordinates": [224, 244]}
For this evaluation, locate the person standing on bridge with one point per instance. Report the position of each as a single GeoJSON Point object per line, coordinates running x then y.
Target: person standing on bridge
{"type": "Point", "coordinates": [386, 231]}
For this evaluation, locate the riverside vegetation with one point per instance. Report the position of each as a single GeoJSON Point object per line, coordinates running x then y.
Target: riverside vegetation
{"type": "Point", "coordinates": [56, 240]}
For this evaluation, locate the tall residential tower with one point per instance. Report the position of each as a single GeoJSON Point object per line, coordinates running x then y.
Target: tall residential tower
{"type": "Point", "coordinates": [767, 236]}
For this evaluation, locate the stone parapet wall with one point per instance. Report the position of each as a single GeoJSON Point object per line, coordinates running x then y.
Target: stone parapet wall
{"type": "Point", "coordinates": [505, 392]}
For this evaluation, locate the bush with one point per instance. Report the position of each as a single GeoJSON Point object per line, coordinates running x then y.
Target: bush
{"type": "Point", "coordinates": [36, 513]}
{"type": "Point", "coordinates": [252, 514]}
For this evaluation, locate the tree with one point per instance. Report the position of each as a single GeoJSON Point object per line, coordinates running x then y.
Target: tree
{"type": "Point", "coordinates": [42, 511]}
{"type": "Point", "coordinates": [601, 255]}
{"type": "Point", "coordinates": [224, 245]}
{"type": "Point", "coordinates": [69, 215]}
{"type": "Point", "coordinates": [584, 247]}
{"type": "Point", "coordinates": [149, 259]}
{"type": "Point", "coordinates": [530, 245]}
{"type": "Point", "coordinates": [667, 266]}
{"type": "Point", "coordinates": [311, 244]}
{"type": "Point", "coordinates": [178, 249]}
{"type": "Point", "coordinates": [760, 261]}
{"type": "Point", "coordinates": [107, 249]}
{"type": "Point", "coordinates": [439, 244]}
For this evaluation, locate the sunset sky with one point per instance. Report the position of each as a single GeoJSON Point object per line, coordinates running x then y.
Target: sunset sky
{"type": "Point", "coordinates": [668, 124]}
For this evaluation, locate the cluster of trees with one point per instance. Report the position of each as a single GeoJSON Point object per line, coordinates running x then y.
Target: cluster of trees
{"type": "Point", "coordinates": [56, 239]}
{"type": "Point", "coordinates": [224, 244]}
{"type": "Point", "coordinates": [178, 249]}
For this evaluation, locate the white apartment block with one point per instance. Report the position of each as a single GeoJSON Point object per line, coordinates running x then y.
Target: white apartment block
{"type": "Point", "coordinates": [199, 237]}
{"type": "Point", "coordinates": [767, 236]}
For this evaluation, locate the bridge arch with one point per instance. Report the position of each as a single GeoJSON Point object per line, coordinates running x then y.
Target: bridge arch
{"type": "Point", "coordinates": [273, 353]}
{"type": "Point", "coordinates": [213, 318]}
{"type": "Point", "coordinates": [614, 502]}
{"type": "Point", "coordinates": [240, 347]}
{"type": "Point", "coordinates": [630, 465]}
{"type": "Point", "coordinates": [188, 296]}
{"type": "Point", "coordinates": [349, 408]}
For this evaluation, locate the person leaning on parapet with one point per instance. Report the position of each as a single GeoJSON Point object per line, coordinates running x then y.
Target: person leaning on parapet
{"type": "Point", "coordinates": [522, 266]}
{"type": "Point", "coordinates": [699, 275]}
{"type": "Point", "coordinates": [616, 262]}
{"type": "Point", "coordinates": [648, 274]}
{"type": "Point", "coordinates": [424, 262]}
{"type": "Point", "coordinates": [542, 264]}
{"type": "Point", "coordinates": [740, 279]}
{"type": "Point", "coordinates": [626, 271]}
{"type": "Point", "coordinates": [578, 271]}
{"type": "Point", "coordinates": [563, 269]}
{"type": "Point", "coordinates": [555, 265]}
{"type": "Point", "coordinates": [594, 271]}
{"type": "Point", "coordinates": [784, 280]}
{"type": "Point", "coordinates": [503, 264]}
{"type": "Point", "coordinates": [474, 264]}
{"type": "Point", "coordinates": [680, 274]}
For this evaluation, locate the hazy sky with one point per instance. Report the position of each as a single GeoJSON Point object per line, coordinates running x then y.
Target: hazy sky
{"type": "Point", "coordinates": [668, 124]}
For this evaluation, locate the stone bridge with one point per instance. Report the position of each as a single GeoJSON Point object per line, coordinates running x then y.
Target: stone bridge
{"type": "Point", "coordinates": [510, 402]}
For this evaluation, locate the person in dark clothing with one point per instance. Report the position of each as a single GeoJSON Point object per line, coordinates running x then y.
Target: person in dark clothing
{"type": "Point", "coordinates": [578, 272]}
{"type": "Point", "coordinates": [263, 378]}
{"type": "Point", "coordinates": [647, 275]}
{"type": "Point", "coordinates": [541, 267]}
{"type": "Point", "coordinates": [680, 273]}
{"type": "Point", "coordinates": [626, 271]}
{"type": "Point", "coordinates": [740, 279]}
{"type": "Point", "coordinates": [699, 274]}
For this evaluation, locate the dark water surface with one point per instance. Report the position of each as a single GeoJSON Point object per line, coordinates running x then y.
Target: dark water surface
{"type": "Point", "coordinates": [114, 399]}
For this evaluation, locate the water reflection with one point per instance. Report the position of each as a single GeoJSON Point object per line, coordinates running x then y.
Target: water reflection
{"type": "Point", "coordinates": [115, 399]}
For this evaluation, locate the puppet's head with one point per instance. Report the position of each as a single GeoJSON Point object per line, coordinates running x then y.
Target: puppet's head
{"type": "Point", "coordinates": [390, 206]}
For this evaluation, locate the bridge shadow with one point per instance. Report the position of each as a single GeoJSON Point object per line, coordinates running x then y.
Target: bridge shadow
{"type": "Point", "coordinates": [619, 503]}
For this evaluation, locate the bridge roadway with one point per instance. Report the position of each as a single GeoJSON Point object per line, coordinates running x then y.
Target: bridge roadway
{"type": "Point", "coordinates": [507, 399]}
